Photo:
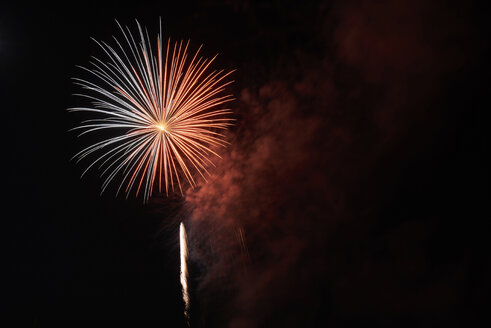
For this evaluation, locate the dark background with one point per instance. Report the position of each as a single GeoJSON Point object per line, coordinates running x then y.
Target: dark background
{"type": "Point", "coordinates": [73, 258]}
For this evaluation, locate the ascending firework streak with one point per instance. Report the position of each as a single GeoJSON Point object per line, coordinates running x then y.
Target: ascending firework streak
{"type": "Point", "coordinates": [184, 269]}
{"type": "Point", "coordinates": [164, 108]}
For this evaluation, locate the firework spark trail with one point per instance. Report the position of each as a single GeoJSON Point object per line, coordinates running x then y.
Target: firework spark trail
{"type": "Point", "coordinates": [184, 269]}
{"type": "Point", "coordinates": [165, 109]}
{"type": "Point", "coordinates": [244, 251]}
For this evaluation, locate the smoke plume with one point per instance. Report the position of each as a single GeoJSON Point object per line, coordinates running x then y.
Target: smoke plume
{"type": "Point", "coordinates": [280, 231]}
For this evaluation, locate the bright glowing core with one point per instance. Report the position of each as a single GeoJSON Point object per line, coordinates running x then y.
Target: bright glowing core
{"type": "Point", "coordinates": [162, 127]}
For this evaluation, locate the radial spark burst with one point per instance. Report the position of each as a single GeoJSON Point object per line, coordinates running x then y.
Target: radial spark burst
{"type": "Point", "coordinates": [161, 109]}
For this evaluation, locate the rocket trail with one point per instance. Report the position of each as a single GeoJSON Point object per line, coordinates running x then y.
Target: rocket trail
{"type": "Point", "coordinates": [184, 269]}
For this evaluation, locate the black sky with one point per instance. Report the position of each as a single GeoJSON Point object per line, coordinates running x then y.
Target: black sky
{"type": "Point", "coordinates": [389, 180]}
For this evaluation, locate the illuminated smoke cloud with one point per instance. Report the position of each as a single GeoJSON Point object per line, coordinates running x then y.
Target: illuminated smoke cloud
{"type": "Point", "coordinates": [273, 230]}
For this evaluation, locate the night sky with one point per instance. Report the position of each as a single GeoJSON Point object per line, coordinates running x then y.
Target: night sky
{"type": "Point", "coordinates": [356, 174]}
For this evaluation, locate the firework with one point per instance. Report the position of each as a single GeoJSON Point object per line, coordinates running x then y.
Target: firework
{"type": "Point", "coordinates": [184, 269]}
{"type": "Point", "coordinates": [161, 110]}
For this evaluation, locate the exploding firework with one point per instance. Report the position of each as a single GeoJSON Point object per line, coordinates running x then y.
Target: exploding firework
{"type": "Point", "coordinates": [164, 109]}
{"type": "Point", "coordinates": [184, 269]}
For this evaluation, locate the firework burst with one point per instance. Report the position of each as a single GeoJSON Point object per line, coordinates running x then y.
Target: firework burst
{"type": "Point", "coordinates": [164, 109]}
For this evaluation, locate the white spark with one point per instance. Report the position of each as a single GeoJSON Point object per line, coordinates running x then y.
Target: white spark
{"type": "Point", "coordinates": [184, 269]}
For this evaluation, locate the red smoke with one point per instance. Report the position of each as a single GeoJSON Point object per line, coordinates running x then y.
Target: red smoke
{"type": "Point", "coordinates": [315, 147]}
